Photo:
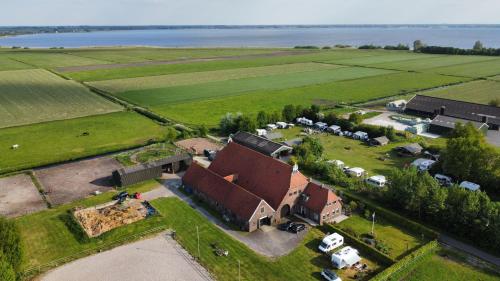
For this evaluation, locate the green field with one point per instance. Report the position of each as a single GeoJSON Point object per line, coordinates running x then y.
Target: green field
{"type": "Point", "coordinates": [36, 95]}
{"type": "Point", "coordinates": [56, 141]}
{"type": "Point", "coordinates": [476, 70]}
{"type": "Point", "coordinates": [481, 91]}
{"type": "Point", "coordinates": [447, 266]}
{"type": "Point", "coordinates": [210, 111]}
{"type": "Point", "coordinates": [403, 57]}
{"type": "Point", "coordinates": [426, 63]}
{"type": "Point", "coordinates": [151, 82]}
{"type": "Point", "coordinates": [10, 64]}
{"type": "Point", "coordinates": [50, 236]}
{"type": "Point", "coordinates": [51, 59]}
{"type": "Point", "coordinates": [206, 91]}
{"type": "Point", "coordinates": [400, 241]}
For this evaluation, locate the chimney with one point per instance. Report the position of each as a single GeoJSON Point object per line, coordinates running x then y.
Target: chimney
{"type": "Point", "coordinates": [295, 168]}
{"type": "Point", "coordinates": [441, 111]}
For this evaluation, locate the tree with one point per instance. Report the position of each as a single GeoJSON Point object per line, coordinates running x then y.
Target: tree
{"type": "Point", "coordinates": [262, 119]}
{"type": "Point", "coordinates": [171, 134]}
{"type": "Point", "coordinates": [203, 131]}
{"type": "Point", "coordinates": [227, 124]}
{"type": "Point", "coordinates": [274, 117]}
{"type": "Point", "coordinates": [494, 102]}
{"type": "Point", "coordinates": [309, 150]}
{"type": "Point", "coordinates": [245, 123]}
{"type": "Point", "coordinates": [330, 118]}
{"type": "Point", "coordinates": [289, 113]}
{"type": "Point", "coordinates": [356, 118]}
{"type": "Point", "coordinates": [478, 46]}
{"type": "Point", "coordinates": [417, 45]}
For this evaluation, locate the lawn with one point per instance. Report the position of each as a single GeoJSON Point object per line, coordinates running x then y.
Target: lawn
{"type": "Point", "coordinates": [447, 265]}
{"type": "Point", "coordinates": [171, 95]}
{"type": "Point", "coordinates": [152, 70]}
{"type": "Point", "coordinates": [481, 91]}
{"type": "Point", "coordinates": [36, 95]}
{"type": "Point", "coordinates": [151, 82]}
{"type": "Point", "coordinates": [210, 111]}
{"type": "Point", "coordinates": [56, 141]}
{"type": "Point", "coordinates": [400, 241]}
{"type": "Point", "coordinates": [50, 237]}
{"type": "Point", "coordinates": [427, 63]}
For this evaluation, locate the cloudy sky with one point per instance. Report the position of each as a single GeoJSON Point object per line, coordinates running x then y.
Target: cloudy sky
{"type": "Point", "coordinates": [237, 12]}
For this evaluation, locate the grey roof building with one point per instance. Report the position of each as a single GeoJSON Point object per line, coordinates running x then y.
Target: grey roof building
{"type": "Point", "coordinates": [261, 144]}
{"type": "Point", "coordinates": [444, 124]}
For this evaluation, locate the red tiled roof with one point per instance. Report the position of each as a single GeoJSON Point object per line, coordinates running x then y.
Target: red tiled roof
{"type": "Point", "coordinates": [231, 196]}
{"type": "Point", "coordinates": [264, 176]}
{"type": "Point", "coordinates": [318, 197]}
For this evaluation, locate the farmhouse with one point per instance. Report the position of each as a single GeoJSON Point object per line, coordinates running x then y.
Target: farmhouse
{"type": "Point", "coordinates": [466, 111]}
{"type": "Point", "coordinates": [261, 144]}
{"type": "Point", "coordinates": [252, 189]}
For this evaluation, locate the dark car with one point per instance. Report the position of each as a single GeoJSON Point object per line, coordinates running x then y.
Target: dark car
{"type": "Point", "coordinates": [120, 195]}
{"type": "Point", "coordinates": [297, 227]}
{"type": "Point", "coordinates": [286, 226]}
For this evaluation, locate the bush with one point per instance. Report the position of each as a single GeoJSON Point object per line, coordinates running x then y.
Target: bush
{"type": "Point", "coordinates": [351, 231]}
{"type": "Point", "coordinates": [353, 205]}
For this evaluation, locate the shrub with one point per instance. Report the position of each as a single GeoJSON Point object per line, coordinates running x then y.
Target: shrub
{"type": "Point", "coordinates": [350, 230]}
{"type": "Point", "coordinates": [353, 205]}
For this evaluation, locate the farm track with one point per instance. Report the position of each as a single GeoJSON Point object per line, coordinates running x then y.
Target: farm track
{"type": "Point", "coordinates": [176, 61]}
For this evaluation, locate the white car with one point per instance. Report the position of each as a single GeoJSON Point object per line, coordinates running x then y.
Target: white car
{"type": "Point", "coordinates": [330, 275]}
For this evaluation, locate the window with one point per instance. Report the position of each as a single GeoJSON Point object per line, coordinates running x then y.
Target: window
{"type": "Point", "coordinates": [295, 192]}
{"type": "Point", "coordinates": [262, 210]}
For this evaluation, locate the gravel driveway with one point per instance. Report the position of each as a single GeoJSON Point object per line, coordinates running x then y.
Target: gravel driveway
{"type": "Point", "coordinates": [155, 259]}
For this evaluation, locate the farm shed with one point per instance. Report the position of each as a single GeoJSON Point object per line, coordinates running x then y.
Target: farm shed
{"type": "Point", "coordinates": [442, 125]}
{"type": "Point", "coordinates": [383, 140]}
{"type": "Point", "coordinates": [431, 106]}
{"type": "Point", "coordinates": [151, 170]}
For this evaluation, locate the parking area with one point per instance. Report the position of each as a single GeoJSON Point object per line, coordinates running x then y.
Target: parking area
{"type": "Point", "coordinates": [385, 120]}
{"type": "Point", "coordinates": [72, 181]}
{"type": "Point", "coordinates": [155, 259]}
{"type": "Point", "coordinates": [19, 196]}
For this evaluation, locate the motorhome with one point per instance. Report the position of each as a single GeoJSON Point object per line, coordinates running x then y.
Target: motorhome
{"type": "Point", "coordinates": [378, 181]}
{"type": "Point", "coordinates": [331, 242]}
{"type": "Point", "coordinates": [355, 172]}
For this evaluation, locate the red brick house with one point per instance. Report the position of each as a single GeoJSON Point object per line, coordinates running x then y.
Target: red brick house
{"type": "Point", "coordinates": [252, 189]}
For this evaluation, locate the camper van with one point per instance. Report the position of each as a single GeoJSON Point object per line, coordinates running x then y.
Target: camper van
{"type": "Point", "coordinates": [378, 181]}
{"type": "Point", "coordinates": [355, 172]}
{"type": "Point", "coordinates": [331, 242]}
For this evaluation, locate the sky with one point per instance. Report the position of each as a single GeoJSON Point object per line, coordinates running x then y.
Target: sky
{"type": "Point", "coordinates": [246, 12]}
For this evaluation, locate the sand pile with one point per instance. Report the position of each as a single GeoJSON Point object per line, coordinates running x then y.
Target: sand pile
{"type": "Point", "coordinates": [96, 221]}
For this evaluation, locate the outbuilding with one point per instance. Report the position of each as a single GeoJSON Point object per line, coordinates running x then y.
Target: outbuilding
{"type": "Point", "coordinates": [413, 149]}
{"type": "Point", "coordinates": [383, 140]}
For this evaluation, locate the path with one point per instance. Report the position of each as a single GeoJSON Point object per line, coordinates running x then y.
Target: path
{"type": "Point", "coordinates": [445, 239]}
{"type": "Point", "coordinates": [155, 259]}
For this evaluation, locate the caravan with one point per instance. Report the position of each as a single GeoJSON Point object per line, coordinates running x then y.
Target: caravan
{"type": "Point", "coordinates": [346, 257]}
{"type": "Point", "coordinates": [378, 181]}
{"type": "Point", "coordinates": [331, 242]}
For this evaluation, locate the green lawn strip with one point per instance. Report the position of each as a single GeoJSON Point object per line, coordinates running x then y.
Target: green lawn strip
{"type": "Point", "coordinates": [51, 59]}
{"type": "Point", "coordinates": [479, 91]}
{"type": "Point", "coordinates": [476, 70]}
{"type": "Point", "coordinates": [386, 58]}
{"type": "Point", "coordinates": [209, 112]}
{"type": "Point", "coordinates": [153, 70]}
{"type": "Point", "coordinates": [169, 95]}
{"type": "Point", "coordinates": [36, 95]}
{"type": "Point", "coordinates": [445, 265]}
{"type": "Point", "coordinates": [429, 63]}
{"type": "Point", "coordinates": [10, 64]}
{"type": "Point", "coordinates": [57, 141]}
{"type": "Point", "coordinates": [51, 234]}
{"type": "Point", "coordinates": [152, 82]}
{"type": "Point", "coordinates": [401, 242]}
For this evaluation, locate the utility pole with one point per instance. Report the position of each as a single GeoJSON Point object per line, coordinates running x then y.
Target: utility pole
{"type": "Point", "coordinates": [198, 235]}
{"type": "Point", "coordinates": [373, 222]}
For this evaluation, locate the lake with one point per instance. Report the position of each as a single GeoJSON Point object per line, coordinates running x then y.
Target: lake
{"type": "Point", "coordinates": [461, 37]}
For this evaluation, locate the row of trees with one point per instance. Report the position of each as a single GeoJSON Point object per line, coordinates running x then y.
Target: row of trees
{"type": "Point", "coordinates": [10, 250]}
{"type": "Point", "coordinates": [478, 49]}
{"type": "Point", "coordinates": [387, 47]}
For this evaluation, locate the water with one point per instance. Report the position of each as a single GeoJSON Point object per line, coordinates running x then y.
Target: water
{"type": "Point", "coordinates": [461, 37]}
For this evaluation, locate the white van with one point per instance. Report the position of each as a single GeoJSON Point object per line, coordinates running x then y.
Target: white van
{"type": "Point", "coordinates": [378, 181]}
{"type": "Point", "coordinates": [355, 172]}
{"type": "Point", "coordinates": [331, 242]}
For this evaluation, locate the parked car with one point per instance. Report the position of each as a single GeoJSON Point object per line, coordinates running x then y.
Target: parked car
{"type": "Point", "coordinates": [297, 227]}
{"type": "Point", "coordinates": [286, 226]}
{"type": "Point", "coordinates": [330, 275]}
{"type": "Point", "coordinates": [120, 195]}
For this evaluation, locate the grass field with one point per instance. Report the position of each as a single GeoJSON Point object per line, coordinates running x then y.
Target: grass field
{"type": "Point", "coordinates": [447, 266]}
{"type": "Point", "coordinates": [10, 64]}
{"type": "Point", "coordinates": [476, 70]}
{"type": "Point", "coordinates": [402, 57]}
{"type": "Point", "coordinates": [426, 63]}
{"type": "Point", "coordinates": [151, 82]}
{"type": "Point", "coordinates": [50, 236]}
{"type": "Point", "coordinates": [400, 241]}
{"type": "Point", "coordinates": [56, 141]}
{"type": "Point", "coordinates": [481, 91]}
{"type": "Point", "coordinates": [206, 91]}
{"type": "Point", "coordinates": [51, 59]}
{"type": "Point", "coordinates": [210, 111]}
{"type": "Point", "coordinates": [36, 95]}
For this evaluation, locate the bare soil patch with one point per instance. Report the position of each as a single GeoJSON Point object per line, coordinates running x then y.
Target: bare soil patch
{"type": "Point", "coordinates": [177, 61]}
{"type": "Point", "coordinates": [19, 196]}
{"type": "Point", "coordinates": [198, 145]}
{"type": "Point", "coordinates": [68, 182]}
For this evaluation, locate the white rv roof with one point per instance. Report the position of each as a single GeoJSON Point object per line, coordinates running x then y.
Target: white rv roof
{"type": "Point", "coordinates": [357, 169]}
{"type": "Point", "coordinates": [335, 127]}
{"type": "Point", "coordinates": [281, 123]}
{"type": "Point", "coordinates": [332, 237]}
{"type": "Point", "coordinates": [348, 254]}
{"type": "Point", "coordinates": [378, 178]}
{"type": "Point", "coordinates": [470, 185]}
{"type": "Point", "coordinates": [424, 161]}
{"type": "Point", "coordinates": [335, 162]}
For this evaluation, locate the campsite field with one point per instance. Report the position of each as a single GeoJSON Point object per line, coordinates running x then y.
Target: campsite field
{"type": "Point", "coordinates": [481, 91]}
{"type": "Point", "coordinates": [210, 111]}
{"type": "Point", "coordinates": [36, 95]}
{"type": "Point", "coordinates": [56, 141]}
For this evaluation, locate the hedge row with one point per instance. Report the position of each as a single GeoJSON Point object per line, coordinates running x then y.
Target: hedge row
{"type": "Point", "coordinates": [378, 255]}
{"type": "Point", "coordinates": [396, 219]}
{"type": "Point", "coordinates": [405, 262]}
